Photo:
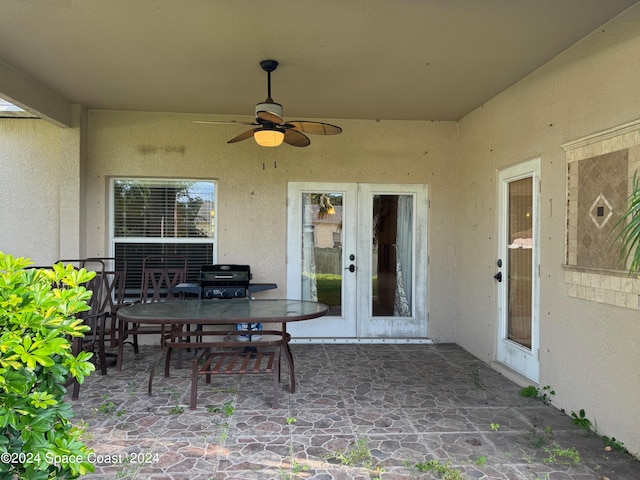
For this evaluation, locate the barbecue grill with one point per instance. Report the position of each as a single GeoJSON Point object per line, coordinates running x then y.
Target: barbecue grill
{"type": "Point", "coordinates": [229, 281]}
{"type": "Point", "coordinates": [224, 281]}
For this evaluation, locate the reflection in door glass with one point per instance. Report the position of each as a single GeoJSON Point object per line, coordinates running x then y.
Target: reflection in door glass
{"type": "Point", "coordinates": [322, 249]}
{"type": "Point", "coordinates": [392, 256]}
{"type": "Point", "coordinates": [520, 261]}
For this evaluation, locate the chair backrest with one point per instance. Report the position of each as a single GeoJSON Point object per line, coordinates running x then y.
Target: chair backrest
{"type": "Point", "coordinates": [96, 284]}
{"type": "Point", "coordinates": [160, 274]}
{"type": "Point", "coordinates": [115, 276]}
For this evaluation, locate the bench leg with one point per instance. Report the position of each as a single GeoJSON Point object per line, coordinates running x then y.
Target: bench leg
{"type": "Point", "coordinates": [276, 381]}
{"type": "Point", "coordinates": [194, 384]}
{"type": "Point", "coordinates": [167, 361]}
{"type": "Point", "coordinates": [292, 376]}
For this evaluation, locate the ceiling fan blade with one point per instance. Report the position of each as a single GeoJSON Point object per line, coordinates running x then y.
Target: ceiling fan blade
{"type": "Point", "coordinates": [315, 128]}
{"type": "Point", "coordinates": [243, 136]}
{"type": "Point", "coordinates": [296, 139]}
{"type": "Point", "coordinates": [229, 122]}
{"type": "Point", "coordinates": [270, 117]}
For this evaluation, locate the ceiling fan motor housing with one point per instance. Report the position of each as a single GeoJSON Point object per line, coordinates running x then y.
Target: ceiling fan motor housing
{"type": "Point", "coordinates": [271, 108]}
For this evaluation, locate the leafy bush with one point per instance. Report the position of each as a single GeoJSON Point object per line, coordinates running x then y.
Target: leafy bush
{"type": "Point", "coordinates": [37, 320]}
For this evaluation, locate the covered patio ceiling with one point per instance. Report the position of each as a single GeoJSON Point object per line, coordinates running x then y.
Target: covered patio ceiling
{"type": "Point", "coordinates": [358, 59]}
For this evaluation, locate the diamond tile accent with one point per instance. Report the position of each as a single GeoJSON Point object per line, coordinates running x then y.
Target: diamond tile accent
{"type": "Point", "coordinates": [601, 211]}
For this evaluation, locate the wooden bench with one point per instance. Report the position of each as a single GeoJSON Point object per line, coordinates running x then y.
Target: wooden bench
{"type": "Point", "coordinates": [217, 349]}
{"type": "Point", "coordinates": [250, 361]}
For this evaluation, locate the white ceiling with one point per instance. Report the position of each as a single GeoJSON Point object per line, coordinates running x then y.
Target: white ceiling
{"type": "Point", "coordinates": [360, 59]}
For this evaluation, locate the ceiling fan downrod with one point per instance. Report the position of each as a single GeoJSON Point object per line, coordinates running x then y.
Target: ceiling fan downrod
{"type": "Point", "coordinates": [269, 66]}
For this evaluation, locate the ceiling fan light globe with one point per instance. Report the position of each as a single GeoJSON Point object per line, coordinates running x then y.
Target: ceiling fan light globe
{"type": "Point", "coordinates": [268, 138]}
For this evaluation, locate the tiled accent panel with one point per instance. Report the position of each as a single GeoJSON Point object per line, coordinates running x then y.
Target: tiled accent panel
{"type": "Point", "coordinates": [602, 193]}
{"type": "Point", "coordinates": [600, 170]}
{"type": "Point", "coordinates": [612, 288]}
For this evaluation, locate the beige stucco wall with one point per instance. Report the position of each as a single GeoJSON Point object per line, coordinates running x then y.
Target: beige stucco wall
{"type": "Point", "coordinates": [252, 211]}
{"type": "Point", "coordinates": [30, 184]}
{"type": "Point", "coordinates": [589, 352]}
{"type": "Point", "coordinates": [42, 207]}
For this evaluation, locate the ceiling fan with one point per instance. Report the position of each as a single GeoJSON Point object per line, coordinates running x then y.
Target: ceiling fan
{"type": "Point", "coordinates": [271, 129]}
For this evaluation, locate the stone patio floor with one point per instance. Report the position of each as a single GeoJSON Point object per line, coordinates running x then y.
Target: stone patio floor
{"type": "Point", "coordinates": [390, 411]}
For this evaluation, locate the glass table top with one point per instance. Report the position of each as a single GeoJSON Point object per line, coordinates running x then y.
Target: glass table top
{"type": "Point", "coordinates": [223, 311]}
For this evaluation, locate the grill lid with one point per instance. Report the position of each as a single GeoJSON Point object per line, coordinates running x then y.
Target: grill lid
{"type": "Point", "coordinates": [225, 275]}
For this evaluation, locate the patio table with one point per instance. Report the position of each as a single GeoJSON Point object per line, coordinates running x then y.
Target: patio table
{"type": "Point", "coordinates": [221, 312]}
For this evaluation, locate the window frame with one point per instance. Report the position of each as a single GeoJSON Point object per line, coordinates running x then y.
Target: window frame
{"type": "Point", "coordinates": [113, 239]}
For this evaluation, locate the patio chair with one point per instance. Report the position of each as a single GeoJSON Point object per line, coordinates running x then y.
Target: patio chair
{"type": "Point", "coordinates": [113, 294]}
{"type": "Point", "coordinates": [95, 318]}
{"type": "Point", "coordinates": [160, 275]}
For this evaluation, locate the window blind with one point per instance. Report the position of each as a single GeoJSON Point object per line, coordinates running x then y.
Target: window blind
{"type": "Point", "coordinates": [162, 208]}
{"type": "Point", "coordinates": [162, 217]}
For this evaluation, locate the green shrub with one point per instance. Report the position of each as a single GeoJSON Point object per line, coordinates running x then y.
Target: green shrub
{"type": "Point", "coordinates": [581, 420]}
{"type": "Point", "coordinates": [37, 320]}
{"type": "Point", "coordinates": [543, 394]}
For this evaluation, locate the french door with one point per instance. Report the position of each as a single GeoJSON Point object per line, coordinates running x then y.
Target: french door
{"type": "Point", "coordinates": [362, 250]}
{"type": "Point", "coordinates": [518, 268]}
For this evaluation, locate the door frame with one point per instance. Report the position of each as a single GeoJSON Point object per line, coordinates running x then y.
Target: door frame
{"type": "Point", "coordinates": [360, 212]}
{"type": "Point", "coordinates": [318, 328]}
{"type": "Point", "coordinates": [380, 327]}
{"type": "Point", "coordinates": [509, 353]}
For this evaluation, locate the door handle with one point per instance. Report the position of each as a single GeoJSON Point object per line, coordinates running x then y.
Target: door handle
{"type": "Point", "coordinates": [351, 268]}
{"type": "Point", "coordinates": [498, 276]}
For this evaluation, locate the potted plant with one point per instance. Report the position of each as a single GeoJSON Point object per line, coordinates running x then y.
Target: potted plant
{"type": "Point", "coordinates": [37, 322]}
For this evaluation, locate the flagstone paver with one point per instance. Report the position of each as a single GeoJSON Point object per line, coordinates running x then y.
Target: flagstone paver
{"type": "Point", "coordinates": [384, 411]}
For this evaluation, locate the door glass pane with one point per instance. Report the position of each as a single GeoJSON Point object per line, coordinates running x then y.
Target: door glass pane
{"type": "Point", "coordinates": [322, 249]}
{"type": "Point", "coordinates": [520, 261]}
{"type": "Point", "coordinates": [392, 256]}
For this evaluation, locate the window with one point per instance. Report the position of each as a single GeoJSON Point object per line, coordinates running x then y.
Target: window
{"type": "Point", "coordinates": [160, 216]}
